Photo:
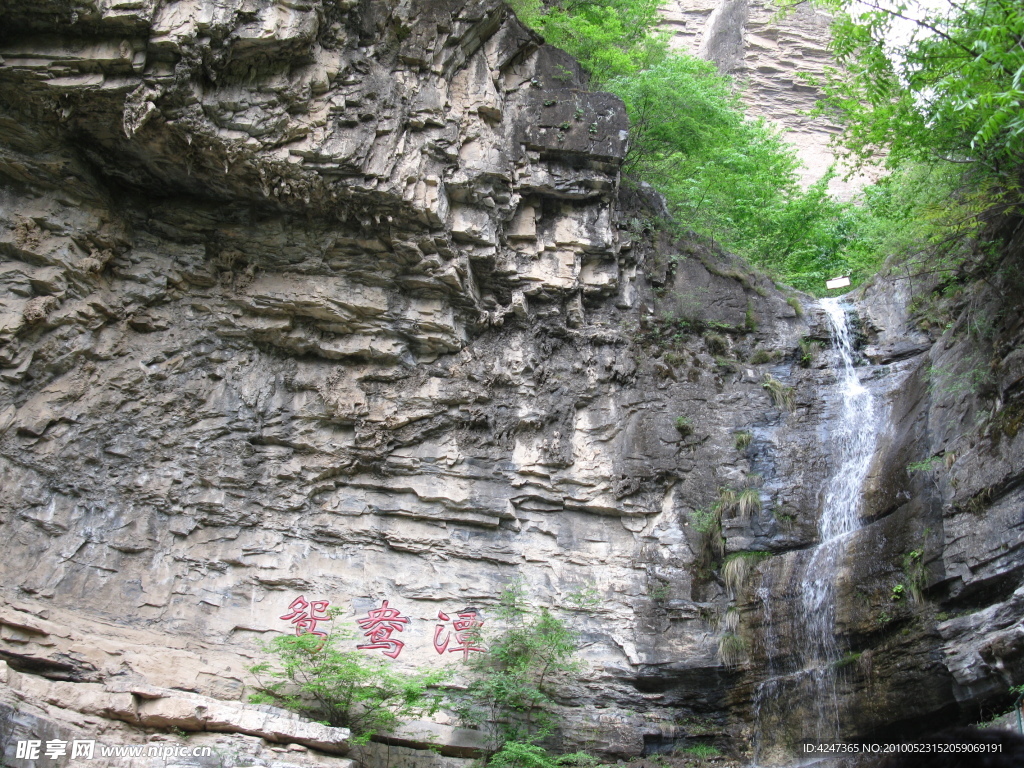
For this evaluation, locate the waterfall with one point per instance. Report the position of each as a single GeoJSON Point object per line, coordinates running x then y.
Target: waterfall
{"type": "Point", "coordinates": [804, 686]}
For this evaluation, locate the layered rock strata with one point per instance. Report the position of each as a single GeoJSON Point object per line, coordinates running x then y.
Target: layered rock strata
{"type": "Point", "coordinates": [772, 55]}
{"type": "Point", "coordinates": [347, 301]}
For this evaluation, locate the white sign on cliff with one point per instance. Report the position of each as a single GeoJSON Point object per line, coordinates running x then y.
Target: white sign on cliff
{"type": "Point", "coordinates": [837, 282]}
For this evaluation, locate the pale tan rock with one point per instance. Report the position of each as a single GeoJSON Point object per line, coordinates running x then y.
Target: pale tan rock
{"type": "Point", "coordinates": [771, 55]}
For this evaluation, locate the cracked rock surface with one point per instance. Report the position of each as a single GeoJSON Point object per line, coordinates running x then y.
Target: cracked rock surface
{"type": "Point", "coordinates": [348, 300]}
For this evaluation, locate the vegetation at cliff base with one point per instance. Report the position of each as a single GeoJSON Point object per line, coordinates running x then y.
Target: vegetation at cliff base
{"type": "Point", "coordinates": [329, 681]}
{"type": "Point", "coordinates": [512, 691]}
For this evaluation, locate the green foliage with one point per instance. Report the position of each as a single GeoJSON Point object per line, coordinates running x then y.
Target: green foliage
{"type": "Point", "coordinates": [610, 38]}
{"type": "Point", "coordinates": [918, 209]}
{"type": "Point", "coordinates": [953, 90]}
{"type": "Point", "coordinates": [679, 108]}
{"type": "Point", "coordinates": [511, 687]}
{"type": "Point", "coordinates": [702, 751]}
{"type": "Point", "coordinates": [669, 331]}
{"type": "Point", "coordinates": [749, 318]}
{"type": "Point", "coordinates": [705, 521]}
{"type": "Point", "coordinates": [971, 375]}
{"type": "Point", "coordinates": [524, 754]}
{"type": "Point", "coordinates": [732, 649]}
{"type": "Point", "coordinates": [726, 176]}
{"type": "Point", "coordinates": [848, 660]}
{"type": "Point", "coordinates": [927, 465]}
{"type": "Point", "coordinates": [809, 351]}
{"type": "Point", "coordinates": [684, 426]}
{"type": "Point", "coordinates": [660, 590]}
{"type": "Point", "coordinates": [784, 397]}
{"type": "Point", "coordinates": [716, 343]}
{"type": "Point", "coordinates": [741, 440]}
{"type": "Point", "coordinates": [742, 502]}
{"type": "Point", "coordinates": [914, 570]}
{"type": "Point", "coordinates": [943, 108]}
{"type": "Point", "coordinates": [711, 544]}
{"type": "Point", "coordinates": [898, 592]}
{"type": "Point", "coordinates": [760, 357]}
{"type": "Point", "coordinates": [347, 688]}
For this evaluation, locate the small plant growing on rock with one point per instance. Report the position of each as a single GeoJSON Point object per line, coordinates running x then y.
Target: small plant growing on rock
{"type": "Point", "coordinates": [738, 567]}
{"type": "Point", "coordinates": [809, 351]}
{"type": "Point", "coordinates": [684, 426]}
{"type": "Point", "coordinates": [913, 569]}
{"type": "Point", "coordinates": [742, 503]}
{"type": "Point", "coordinates": [708, 523]}
{"type": "Point", "coordinates": [742, 440]}
{"type": "Point", "coordinates": [760, 357]}
{"type": "Point", "coordinates": [784, 397]}
{"type": "Point", "coordinates": [749, 318]}
{"type": "Point", "coordinates": [732, 649]}
{"type": "Point", "coordinates": [794, 302]}
{"type": "Point", "coordinates": [848, 660]}
{"type": "Point", "coordinates": [701, 751]}
{"type": "Point", "coordinates": [659, 591]}
{"type": "Point", "coordinates": [328, 680]}
{"type": "Point", "coordinates": [716, 343]}
{"type": "Point", "coordinates": [927, 465]}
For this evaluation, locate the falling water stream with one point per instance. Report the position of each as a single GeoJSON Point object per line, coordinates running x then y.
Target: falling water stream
{"type": "Point", "coordinates": [804, 686]}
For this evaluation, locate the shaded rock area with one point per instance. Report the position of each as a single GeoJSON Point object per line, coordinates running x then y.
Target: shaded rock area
{"type": "Point", "coordinates": [348, 300]}
{"type": "Point", "coordinates": [929, 598]}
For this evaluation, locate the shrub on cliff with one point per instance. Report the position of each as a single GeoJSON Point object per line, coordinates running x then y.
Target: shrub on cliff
{"type": "Point", "coordinates": [345, 688]}
{"type": "Point", "coordinates": [512, 688]}
{"type": "Point", "coordinates": [936, 94]}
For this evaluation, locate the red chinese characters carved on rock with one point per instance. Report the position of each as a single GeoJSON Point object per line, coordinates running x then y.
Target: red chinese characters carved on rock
{"type": "Point", "coordinates": [379, 624]}
{"type": "Point", "coordinates": [305, 615]}
{"type": "Point", "coordinates": [467, 633]}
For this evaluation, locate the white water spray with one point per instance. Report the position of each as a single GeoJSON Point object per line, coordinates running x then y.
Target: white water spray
{"type": "Point", "coordinates": [810, 677]}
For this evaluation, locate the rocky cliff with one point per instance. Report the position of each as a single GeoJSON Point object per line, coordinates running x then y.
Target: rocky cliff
{"type": "Point", "coordinates": [771, 55]}
{"type": "Point", "coordinates": [348, 302]}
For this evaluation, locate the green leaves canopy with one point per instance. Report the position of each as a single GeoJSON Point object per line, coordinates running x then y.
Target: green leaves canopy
{"type": "Point", "coordinates": [953, 91]}
{"type": "Point", "coordinates": [343, 687]}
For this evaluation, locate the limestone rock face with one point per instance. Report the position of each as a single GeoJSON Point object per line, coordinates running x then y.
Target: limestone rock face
{"type": "Point", "coordinates": [346, 301]}
{"type": "Point", "coordinates": [342, 301]}
{"type": "Point", "coordinates": [770, 56]}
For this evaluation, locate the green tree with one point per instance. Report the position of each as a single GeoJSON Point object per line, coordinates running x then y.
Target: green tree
{"type": "Point", "coordinates": [724, 175]}
{"type": "Point", "coordinates": [512, 687]}
{"type": "Point", "coordinates": [330, 683]}
{"type": "Point", "coordinates": [952, 91]}
{"type": "Point", "coordinates": [941, 104]}
{"type": "Point", "coordinates": [610, 38]}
